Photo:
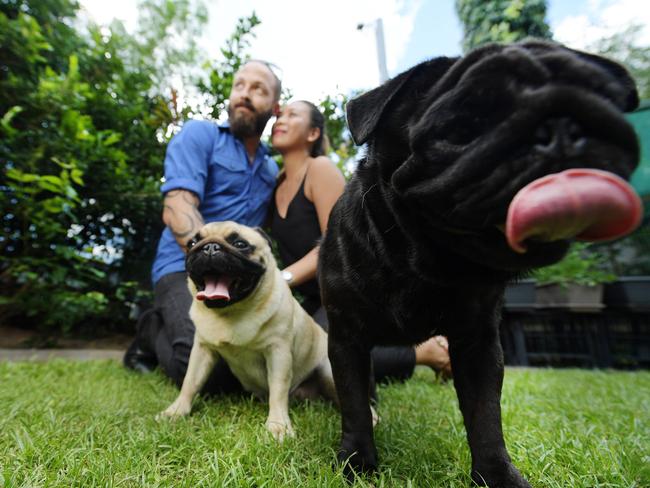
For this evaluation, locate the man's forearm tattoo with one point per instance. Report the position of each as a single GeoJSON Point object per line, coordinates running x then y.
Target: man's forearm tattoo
{"type": "Point", "coordinates": [184, 217]}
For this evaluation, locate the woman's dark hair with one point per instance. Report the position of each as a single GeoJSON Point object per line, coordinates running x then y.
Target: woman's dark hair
{"type": "Point", "coordinates": [321, 145]}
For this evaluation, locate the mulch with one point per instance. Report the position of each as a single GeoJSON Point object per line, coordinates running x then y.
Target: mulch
{"type": "Point", "coordinates": [18, 344]}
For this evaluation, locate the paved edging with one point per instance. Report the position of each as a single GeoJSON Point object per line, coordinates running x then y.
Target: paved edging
{"type": "Point", "coordinates": [38, 355]}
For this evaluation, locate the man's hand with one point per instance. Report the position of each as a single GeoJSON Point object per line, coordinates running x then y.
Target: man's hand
{"type": "Point", "coordinates": [181, 215]}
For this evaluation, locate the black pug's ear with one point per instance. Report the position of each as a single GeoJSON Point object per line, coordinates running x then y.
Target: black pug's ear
{"type": "Point", "coordinates": [264, 235]}
{"type": "Point", "coordinates": [365, 111]}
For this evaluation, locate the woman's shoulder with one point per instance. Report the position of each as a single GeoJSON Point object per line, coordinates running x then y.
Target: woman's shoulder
{"type": "Point", "coordinates": [323, 177]}
{"type": "Point", "coordinates": [322, 165]}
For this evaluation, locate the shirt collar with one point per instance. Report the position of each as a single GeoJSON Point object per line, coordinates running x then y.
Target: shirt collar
{"type": "Point", "coordinates": [262, 149]}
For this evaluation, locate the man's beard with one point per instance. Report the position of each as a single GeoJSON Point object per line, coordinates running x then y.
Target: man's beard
{"type": "Point", "coordinates": [244, 125]}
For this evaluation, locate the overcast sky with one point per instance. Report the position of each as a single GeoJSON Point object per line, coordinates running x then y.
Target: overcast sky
{"type": "Point", "coordinates": [321, 51]}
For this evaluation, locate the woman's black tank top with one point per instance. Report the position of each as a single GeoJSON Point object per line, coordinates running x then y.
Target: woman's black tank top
{"type": "Point", "coordinates": [297, 234]}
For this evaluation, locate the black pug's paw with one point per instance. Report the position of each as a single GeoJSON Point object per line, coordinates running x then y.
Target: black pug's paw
{"type": "Point", "coordinates": [506, 476]}
{"type": "Point", "coordinates": [357, 455]}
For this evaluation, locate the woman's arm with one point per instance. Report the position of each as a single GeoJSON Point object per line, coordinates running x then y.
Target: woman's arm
{"type": "Point", "coordinates": [323, 186]}
{"type": "Point", "coordinates": [304, 269]}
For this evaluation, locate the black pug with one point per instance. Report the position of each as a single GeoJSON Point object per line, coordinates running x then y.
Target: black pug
{"type": "Point", "coordinates": [426, 234]}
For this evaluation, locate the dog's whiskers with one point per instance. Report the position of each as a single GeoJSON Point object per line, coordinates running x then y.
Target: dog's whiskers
{"type": "Point", "coordinates": [363, 196]}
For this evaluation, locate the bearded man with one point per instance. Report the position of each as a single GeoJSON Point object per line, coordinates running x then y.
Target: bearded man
{"type": "Point", "coordinates": [212, 173]}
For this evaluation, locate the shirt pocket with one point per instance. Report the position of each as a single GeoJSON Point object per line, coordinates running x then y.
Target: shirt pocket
{"type": "Point", "coordinates": [228, 176]}
{"type": "Point", "coordinates": [265, 186]}
{"type": "Point", "coordinates": [268, 179]}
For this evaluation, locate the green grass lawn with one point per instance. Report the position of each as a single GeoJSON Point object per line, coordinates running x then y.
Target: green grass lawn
{"type": "Point", "coordinates": [87, 424]}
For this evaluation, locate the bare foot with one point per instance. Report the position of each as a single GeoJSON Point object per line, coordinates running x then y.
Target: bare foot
{"type": "Point", "coordinates": [435, 354]}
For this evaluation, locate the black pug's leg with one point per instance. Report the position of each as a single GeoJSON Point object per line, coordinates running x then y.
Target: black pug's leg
{"type": "Point", "coordinates": [351, 369]}
{"type": "Point", "coordinates": [478, 378]}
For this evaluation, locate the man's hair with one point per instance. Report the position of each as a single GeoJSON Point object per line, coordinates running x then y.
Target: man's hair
{"type": "Point", "coordinates": [274, 70]}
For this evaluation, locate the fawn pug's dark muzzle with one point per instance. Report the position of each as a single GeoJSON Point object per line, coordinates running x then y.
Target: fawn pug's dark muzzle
{"type": "Point", "coordinates": [222, 274]}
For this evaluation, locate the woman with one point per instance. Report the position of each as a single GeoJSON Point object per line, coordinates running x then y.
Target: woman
{"type": "Point", "coordinates": [306, 191]}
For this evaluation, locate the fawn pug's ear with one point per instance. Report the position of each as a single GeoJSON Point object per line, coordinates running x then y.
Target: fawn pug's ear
{"type": "Point", "coordinates": [260, 231]}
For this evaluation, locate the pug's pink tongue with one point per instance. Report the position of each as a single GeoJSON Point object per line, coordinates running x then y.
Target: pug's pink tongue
{"type": "Point", "coordinates": [215, 288]}
{"type": "Point", "coordinates": [586, 204]}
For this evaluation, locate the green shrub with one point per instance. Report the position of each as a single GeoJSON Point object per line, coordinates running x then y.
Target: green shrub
{"type": "Point", "coordinates": [581, 265]}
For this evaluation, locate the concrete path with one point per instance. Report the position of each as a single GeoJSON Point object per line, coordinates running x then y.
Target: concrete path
{"type": "Point", "coordinates": [47, 354]}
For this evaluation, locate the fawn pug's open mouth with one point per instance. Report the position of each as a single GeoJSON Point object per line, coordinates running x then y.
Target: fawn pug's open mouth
{"type": "Point", "coordinates": [223, 272]}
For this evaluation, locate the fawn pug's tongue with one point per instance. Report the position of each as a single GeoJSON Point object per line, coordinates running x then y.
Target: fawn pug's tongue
{"type": "Point", "coordinates": [216, 288]}
{"type": "Point", "coordinates": [586, 204]}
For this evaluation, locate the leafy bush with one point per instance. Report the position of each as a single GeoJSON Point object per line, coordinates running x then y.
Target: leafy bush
{"type": "Point", "coordinates": [581, 265]}
{"type": "Point", "coordinates": [82, 139]}
{"type": "Point", "coordinates": [501, 21]}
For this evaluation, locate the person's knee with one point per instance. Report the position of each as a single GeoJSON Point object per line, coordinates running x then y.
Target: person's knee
{"type": "Point", "coordinates": [176, 370]}
{"type": "Point", "coordinates": [173, 359]}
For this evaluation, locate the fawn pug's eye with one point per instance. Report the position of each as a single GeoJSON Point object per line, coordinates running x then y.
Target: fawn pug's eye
{"type": "Point", "coordinates": [240, 244]}
{"type": "Point", "coordinates": [193, 241]}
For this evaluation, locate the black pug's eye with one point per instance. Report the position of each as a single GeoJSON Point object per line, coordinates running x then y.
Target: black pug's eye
{"type": "Point", "coordinates": [240, 244]}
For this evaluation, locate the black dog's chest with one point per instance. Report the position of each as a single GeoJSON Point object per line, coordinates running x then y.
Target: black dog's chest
{"type": "Point", "coordinates": [418, 310]}
{"type": "Point", "coordinates": [398, 292]}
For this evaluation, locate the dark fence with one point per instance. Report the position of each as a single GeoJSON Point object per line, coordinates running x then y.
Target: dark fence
{"type": "Point", "coordinates": [617, 336]}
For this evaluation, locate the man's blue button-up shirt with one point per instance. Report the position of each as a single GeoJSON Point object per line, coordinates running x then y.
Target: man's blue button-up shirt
{"type": "Point", "coordinates": [207, 160]}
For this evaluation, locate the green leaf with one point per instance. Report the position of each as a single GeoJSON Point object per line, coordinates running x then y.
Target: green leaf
{"type": "Point", "coordinates": [53, 205]}
{"type": "Point", "coordinates": [71, 193]}
{"type": "Point", "coordinates": [112, 139]}
{"type": "Point", "coordinates": [5, 122]}
{"type": "Point", "coordinates": [62, 164]}
{"type": "Point", "coordinates": [73, 67]}
{"type": "Point", "coordinates": [76, 175]}
{"type": "Point", "coordinates": [96, 272]}
{"type": "Point", "coordinates": [17, 175]}
{"type": "Point", "coordinates": [51, 183]}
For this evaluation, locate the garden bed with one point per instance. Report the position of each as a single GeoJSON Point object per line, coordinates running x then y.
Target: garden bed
{"type": "Point", "coordinates": [20, 338]}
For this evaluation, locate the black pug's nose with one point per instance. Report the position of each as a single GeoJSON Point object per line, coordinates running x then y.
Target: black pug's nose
{"type": "Point", "coordinates": [211, 248]}
{"type": "Point", "coordinates": [559, 137]}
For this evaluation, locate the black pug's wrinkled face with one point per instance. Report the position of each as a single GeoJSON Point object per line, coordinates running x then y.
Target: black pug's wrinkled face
{"type": "Point", "coordinates": [225, 262]}
{"type": "Point", "coordinates": [505, 121]}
